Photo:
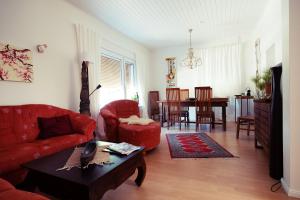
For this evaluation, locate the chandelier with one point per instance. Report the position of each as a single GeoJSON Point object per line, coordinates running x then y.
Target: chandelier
{"type": "Point", "coordinates": [190, 61]}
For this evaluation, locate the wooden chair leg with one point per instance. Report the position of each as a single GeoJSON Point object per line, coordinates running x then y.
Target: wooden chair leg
{"type": "Point", "coordinates": [248, 130]}
{"type": "Point", "coordinates": [238, 129]}
{"type": "Point", "coordinates": [197, 124]}
{"type": "Point", "coordinates": [179, 122]}
{"type": "Point", "coordinates": [213, 120]}
{"type": "Point", "coordinates": [168, 121]}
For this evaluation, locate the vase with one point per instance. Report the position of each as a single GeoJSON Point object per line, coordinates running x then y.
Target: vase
{"type": "Point", "coordinates": [268, 89]}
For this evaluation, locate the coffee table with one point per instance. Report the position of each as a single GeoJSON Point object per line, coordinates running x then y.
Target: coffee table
{"type": "Point", "coordinates": [91, 183]}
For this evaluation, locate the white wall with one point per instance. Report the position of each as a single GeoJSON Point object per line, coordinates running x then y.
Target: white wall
{"type": "Point", "coordinates": [56, 72]}
{"type": "Point", "coordinates": [291, 96]}
{"type": "Point", "coordinates": [269, 32]}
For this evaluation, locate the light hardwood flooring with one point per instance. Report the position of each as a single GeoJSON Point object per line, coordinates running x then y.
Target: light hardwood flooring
{"type": "Point", "coordinates": [242, 178]}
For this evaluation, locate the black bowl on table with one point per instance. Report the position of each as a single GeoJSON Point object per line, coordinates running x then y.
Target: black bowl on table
{"type": "Point", "coordinates": [88, 153]}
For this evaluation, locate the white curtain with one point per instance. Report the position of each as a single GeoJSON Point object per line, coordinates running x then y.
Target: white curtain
{"type": "Point", "coordinates": [220, 69]}
{"type": "Point", "coordinates": [88, 45]}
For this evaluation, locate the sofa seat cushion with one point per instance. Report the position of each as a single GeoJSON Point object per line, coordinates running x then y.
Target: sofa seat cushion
{"type": "Point", "coordinates": [7, 191]}
{"type": "Point", "coordinates": [140, 135]}
{"type": "Point", "coordinates": [15, 155]}
{"type": "Point", "coordinates": [56, 144]}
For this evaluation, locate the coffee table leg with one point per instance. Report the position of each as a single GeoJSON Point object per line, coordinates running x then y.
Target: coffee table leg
{"type": "Point", "coordinates": [28, 184]}
{"type": "Point", "coordinates": [141, 173]}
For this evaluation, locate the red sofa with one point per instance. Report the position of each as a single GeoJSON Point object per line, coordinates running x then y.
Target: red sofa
{"type": "Point", "coordinates": [7, 191]}
{"type": "Point", "coordinates": [141, 135]}
{"type": "Point", "coordinates": [19, 132]}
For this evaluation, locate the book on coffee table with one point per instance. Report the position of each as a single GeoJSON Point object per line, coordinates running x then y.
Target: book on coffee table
{"type": "Point", "coordinates": [123, 148]}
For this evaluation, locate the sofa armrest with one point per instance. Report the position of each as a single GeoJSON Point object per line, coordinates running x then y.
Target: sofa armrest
{"type": "Point", "coordinates": [111, 123]}
{"type": "Point", "coordinates": [83, 124]}
{"type": "Point", "coordinates": [107, 114]}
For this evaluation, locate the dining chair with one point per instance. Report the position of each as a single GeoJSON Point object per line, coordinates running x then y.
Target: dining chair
{"type": "Point", "coordinates": [204, 112]}
{"type": "Point", "coordinates": [248, 121]}
{"type": "Point", "coordinates": [173, 106]}
{"type": "Point", "coordinates": [153, 108]}
{"type": "Point", "coordinates": [184, 95]}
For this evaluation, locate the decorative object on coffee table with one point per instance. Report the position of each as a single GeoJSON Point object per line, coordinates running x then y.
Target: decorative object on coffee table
{"type": "Point", "coordinates": [88, 153]}
{"type": "Point", "coordinates": [195, 145]}
{"type": "Point", "coordinates": [77, 184]}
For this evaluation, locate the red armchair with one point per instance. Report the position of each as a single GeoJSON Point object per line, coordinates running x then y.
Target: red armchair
{"type": "Point", "coordinates": [141, 135]}
{"type": "Point", "coordinates": [19, 132]}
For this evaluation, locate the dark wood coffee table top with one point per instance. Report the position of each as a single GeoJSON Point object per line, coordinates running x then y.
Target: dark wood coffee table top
{"type": "Point", "coordinates": [93, 181]}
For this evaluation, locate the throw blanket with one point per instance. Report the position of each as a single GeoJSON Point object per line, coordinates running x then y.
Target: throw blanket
{"type": "Point", "coordinates": [133, 119]}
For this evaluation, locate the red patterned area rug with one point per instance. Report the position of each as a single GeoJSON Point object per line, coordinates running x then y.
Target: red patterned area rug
{"type": "Point", "coordinates": [195, 145]}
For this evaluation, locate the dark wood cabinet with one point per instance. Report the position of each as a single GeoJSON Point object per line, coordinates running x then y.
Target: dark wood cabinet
{"type": "Point", "coordinates": [262, 111]}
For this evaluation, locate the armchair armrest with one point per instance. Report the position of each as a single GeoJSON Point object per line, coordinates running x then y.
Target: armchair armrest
{"type": "Point", "coordinates": [111, 123]}
{"type": "Point", "coordinates": [83, 124]}
{"type": "Point", "coordinates": [107, 114]}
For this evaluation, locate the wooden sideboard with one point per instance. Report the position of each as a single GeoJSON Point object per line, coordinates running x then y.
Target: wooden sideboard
{"type": "Point", "coordinates": [262, 111]}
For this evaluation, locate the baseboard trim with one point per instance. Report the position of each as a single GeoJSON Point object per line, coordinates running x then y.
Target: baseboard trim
{"type": "Point", "coordinates": [290, 192]}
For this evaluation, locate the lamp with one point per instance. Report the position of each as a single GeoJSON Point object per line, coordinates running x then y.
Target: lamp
{"type": "Point", "coordinates": [191, 61]}
{"type": "Point", "coordinates": [97, 88]}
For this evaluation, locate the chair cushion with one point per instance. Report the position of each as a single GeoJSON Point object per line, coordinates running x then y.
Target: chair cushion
{"type": "Point", "coordinates": [54, 126]}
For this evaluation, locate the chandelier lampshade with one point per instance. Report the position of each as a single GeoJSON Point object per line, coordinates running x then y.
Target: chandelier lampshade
{"type": "Point", "coordinates": [191, 61]}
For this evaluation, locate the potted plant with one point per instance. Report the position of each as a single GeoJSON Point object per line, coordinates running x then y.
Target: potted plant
{"type": "Point", "coordinates": [263, 83]}
{"type": "Point", "coordinates": [267, 78]}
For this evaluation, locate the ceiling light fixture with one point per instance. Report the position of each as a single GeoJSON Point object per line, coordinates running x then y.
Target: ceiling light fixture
{"type": "Point", "coordinates": [191, 61]}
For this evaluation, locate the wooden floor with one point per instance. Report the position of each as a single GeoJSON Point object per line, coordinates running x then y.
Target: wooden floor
{"type": "Point", "coordinates": [243, 178]}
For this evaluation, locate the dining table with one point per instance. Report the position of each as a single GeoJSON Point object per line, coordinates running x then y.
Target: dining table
{"type": "Point", "coordinates": [221, 102]}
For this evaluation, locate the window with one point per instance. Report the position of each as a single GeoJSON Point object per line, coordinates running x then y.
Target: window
{"type": "Point", "coordinates": [118, 78]}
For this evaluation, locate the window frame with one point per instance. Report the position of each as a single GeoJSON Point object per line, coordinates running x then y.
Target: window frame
{"type": "Point", "coordinates": [123, 61]}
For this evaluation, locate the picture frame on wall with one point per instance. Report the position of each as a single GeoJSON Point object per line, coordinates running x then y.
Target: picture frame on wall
{"type": "Point", "coordinates": [15, 64]}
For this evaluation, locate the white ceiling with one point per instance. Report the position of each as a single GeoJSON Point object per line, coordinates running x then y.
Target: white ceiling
{"type": "Point", "coordinates": [161, 23]}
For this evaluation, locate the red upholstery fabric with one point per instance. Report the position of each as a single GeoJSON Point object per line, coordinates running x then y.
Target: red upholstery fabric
{"type": "Point", "coordinates": [54, 126]}
{"type": "Point", "coordinates": [7, 191]}
{"type": "Point", "coordinates": [148, 136]}
{"type": "Point", "coordinates": [111, 114]}
{"type": "Point", "coordinates": [19, 132]}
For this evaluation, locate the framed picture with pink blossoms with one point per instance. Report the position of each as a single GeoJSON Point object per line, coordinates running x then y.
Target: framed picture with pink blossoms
{"type": "Point", "coordinates": [15, 64]}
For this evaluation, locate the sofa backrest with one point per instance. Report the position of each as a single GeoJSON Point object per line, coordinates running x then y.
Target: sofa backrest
{"type": "Point", "coordinates": [124, 108]}
{"type": "Point", "coordinates": [18, 124]}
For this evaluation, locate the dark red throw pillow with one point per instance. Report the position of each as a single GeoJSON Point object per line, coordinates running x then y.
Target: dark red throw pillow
{"type": "Point", "coordinates": [54, 126]}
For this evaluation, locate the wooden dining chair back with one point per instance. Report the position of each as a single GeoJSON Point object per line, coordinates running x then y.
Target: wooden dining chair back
{"type": "Point", "coordinates": [153, 108]}
{"type": "Point", "coordinates": [204, 112]}
{"type": "Point", "coordinates": [184, 94]}
{"type": "Point", "coordinates": [173, 106]}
